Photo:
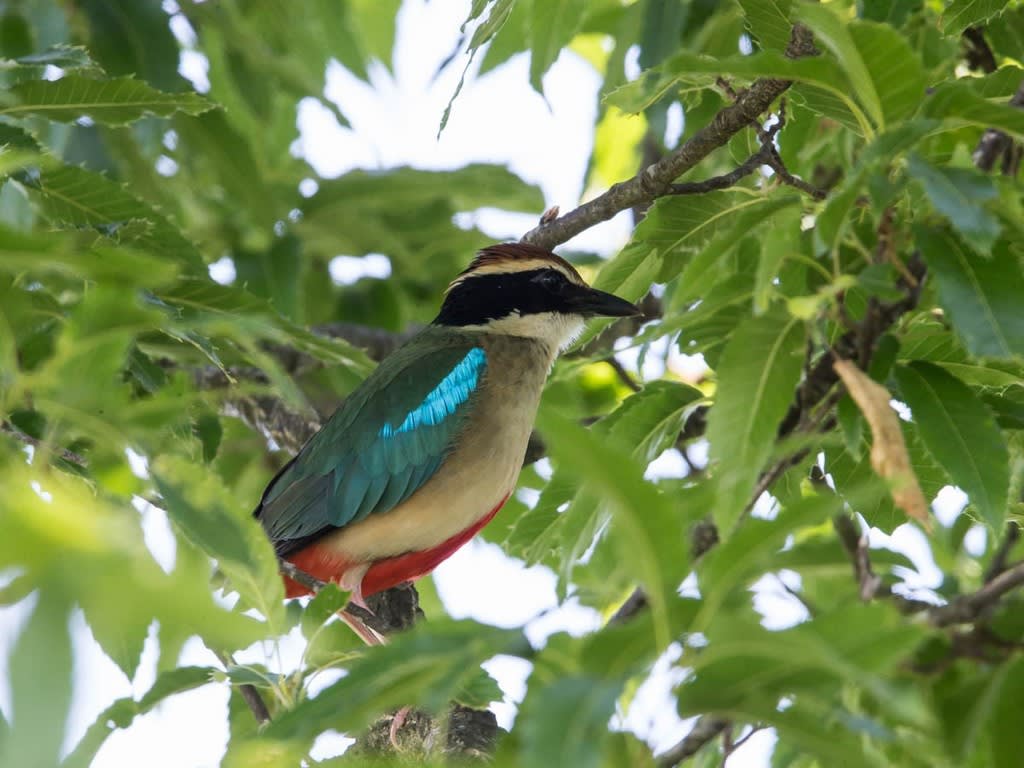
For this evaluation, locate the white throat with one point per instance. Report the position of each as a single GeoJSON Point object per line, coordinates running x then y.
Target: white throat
{"type": "Point", "coordinates": [557, 330]}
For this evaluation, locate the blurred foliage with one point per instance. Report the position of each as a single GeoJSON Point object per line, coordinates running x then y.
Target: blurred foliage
{"type": "Point", "coordinates": [122, 185]}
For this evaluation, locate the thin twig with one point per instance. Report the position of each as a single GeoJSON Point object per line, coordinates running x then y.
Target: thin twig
{"type": "Point", "coordinates": [624, 376]}
{"type": "Point", "coordinates": [751, 164]}
{"type": "Point", "coordinates": [856, 545]}
{"type": "Point", "coordinates": [1002, 555]}
{"type": "Point", "coordinates": [68, 456]}
{"type": "Point", "coordinates": [249, 693]}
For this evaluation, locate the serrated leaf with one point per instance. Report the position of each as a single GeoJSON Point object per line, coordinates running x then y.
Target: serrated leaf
{"type": "Point", "coordinates": [204, 299]}
{"type": "Point", "coordinates": [40, 684]}
{"type": "Point", "coordinates": [479, 690]}
{"type": "Point", "coordinates": [690, 68]}
{"type": "Point", "coordinates": [959, 195]}
{"type": "Point", "coordinates": [830, 225]}
{"type": "Point", "coordinates": [61, 55]}
{"type": "Point", "coordinates": [76, 197]}
{"type": "Point", "coordinates": [553, 24]}
{"type": "Point", "coordinates": [217, 523]}
{"type": "Point", "coordinates": [423, 667]}
{"type": "Point", "coordinates": [122, 712]}
{"type": "Point", "coordinates": [894, 67]}
{"type": "Point", "coordinates": [981, 296]}
{"type": "Point", "coordinates": [769, 21]}
{"type": "Point", "coordinates": [957, 103]}
{"type": "Point", "coordinates": [831, 32]}
{"type": "Point", "coordinates": [889, 456]}
{"type": "Point", "coordinates": [325, 604]}
{"type": "Point", "coordinates": [1006, 736]}
{"type": "Point", "coordinates": [566, 722]}
{"type": "Point", "coordinates": [961, 14]}
{"type": "Point", "coordinates": [960, 432]}
{"type": "Point", "coordinates": [640, 514]}
{"type": "Point", "coordinates": [757, 376]}
{"type": "Point", "coordinates": [113, 102]}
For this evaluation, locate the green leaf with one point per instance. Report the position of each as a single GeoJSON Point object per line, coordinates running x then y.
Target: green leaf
{"type": "Point", "coordinates": [122, 712]}
{"type": "Point", "coordinates": [553, 24]}
{"type": "Point", "coordinates": [960, 432]}
{"type": "Point", "coordinates": [757, 377]}
{"type": "Point", "coordinates": [1005, 733]}
{"type": "Point", "coordinates": [895, 69]}
{"type": "Point", "coordinates": [961, 14]}
{"type": "Point", "coordinates": [121, 638]}
{"type": "Point", "coordinates": [769, 21]}
{"type": "Point", "coordinates": [40, 680]}
{"type": "Point", "coordinates": [964, 699]}
{"type": "Point", "coordinates": [830, 226]}
{"type": "Point", "coordinates": [207, 301]}
{"type": "Point", "coordinates": [67, 57]}
{"type": "Point", "coordinates": [215, 522]}
{"type": "Point", "coordinates": [76, 197]}
{"type": "Point", "coordinates": [473, 186]}
{"type": "Point", "coordinates": [780, 241]}
{"type": "Point", "coordinates": [981, 296]}
{"type": "Point", "coordinates": [830, 31]}
{"type": "Point", "coordinates": [566, 722]}
{"type": "Point", "coordinates": [209, 431]}
{"type": "Point", "coordinates": [479, 691]}
{"type": "Point", "coordinates": [133, 37]}
{"type": "Point", "coordinates": [113, 102]}
{"type": "Point", "coordinates": [690, 68]}
{"type": "Point", "coordinates": [1007, 37]}
{"type": "Point", "coordinates": [957, 103]}
{"type": "Point", "coordinates": [327, 602]}
{"type": "Point", "coordinates": [960, 194]}
{"type": "Point", "coordinates": [640, 514]}
{"type": "Point", "coordinates": [426, 667]}
{"type": "Point", "coordinates": [744, 556]}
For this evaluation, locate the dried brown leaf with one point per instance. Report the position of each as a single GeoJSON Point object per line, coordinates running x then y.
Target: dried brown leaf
{"type": "Point", "coordinates": [889, 456]}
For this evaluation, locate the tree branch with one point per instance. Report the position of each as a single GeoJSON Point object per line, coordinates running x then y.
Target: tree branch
{"type": "Point", "coordinates": [969, 608]}
{"type": "Point", "coordinates": [655, 180]}
{"type": "Point", "coordinates": [704, 730]}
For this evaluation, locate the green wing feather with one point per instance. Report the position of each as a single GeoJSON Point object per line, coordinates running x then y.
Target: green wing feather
{"type": "Point", "coordinates": [385, 441]}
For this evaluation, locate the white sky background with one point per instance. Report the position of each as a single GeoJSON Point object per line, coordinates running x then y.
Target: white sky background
{"type": "Point", "coordinates": [498, 119]}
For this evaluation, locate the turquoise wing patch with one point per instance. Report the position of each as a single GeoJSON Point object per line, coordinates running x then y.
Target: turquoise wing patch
{"type": "Point", "coordinates": [444, 399]}
{"type": "Point", "coordinates": [380, 447]}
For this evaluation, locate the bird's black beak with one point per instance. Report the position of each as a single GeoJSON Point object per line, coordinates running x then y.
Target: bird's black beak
{"type": "Point", "coordinates": [590, 302]}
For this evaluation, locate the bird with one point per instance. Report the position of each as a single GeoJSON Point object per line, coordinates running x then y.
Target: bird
{"type": "Point", "coordinates": [427, 449]}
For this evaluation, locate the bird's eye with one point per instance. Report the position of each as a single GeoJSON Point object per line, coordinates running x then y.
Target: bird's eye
{"type": "Point", "coordinates": [551, 279]}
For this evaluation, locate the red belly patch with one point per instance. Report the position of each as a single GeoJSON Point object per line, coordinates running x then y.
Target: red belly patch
{"type": "Point", "coordinates": [326, 565]}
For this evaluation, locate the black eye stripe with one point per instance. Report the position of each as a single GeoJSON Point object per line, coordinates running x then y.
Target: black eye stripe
{"type": "Point", "coordinates": [478, 299]}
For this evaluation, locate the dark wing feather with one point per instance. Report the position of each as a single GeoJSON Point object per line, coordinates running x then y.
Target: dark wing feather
{"type": "Point", "coordinates": [385, 441]}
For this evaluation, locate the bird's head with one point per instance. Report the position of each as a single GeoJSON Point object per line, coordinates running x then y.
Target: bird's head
{"type": "Point", "coordinates": [522, 290]}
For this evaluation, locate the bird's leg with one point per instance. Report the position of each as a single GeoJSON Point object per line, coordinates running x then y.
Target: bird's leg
{"type": "Point", "coordinates": [368, 634]}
